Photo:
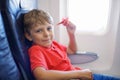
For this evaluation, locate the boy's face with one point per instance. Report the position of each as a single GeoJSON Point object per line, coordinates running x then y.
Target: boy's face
{"type": "Point", "coordinates": [41, 35]}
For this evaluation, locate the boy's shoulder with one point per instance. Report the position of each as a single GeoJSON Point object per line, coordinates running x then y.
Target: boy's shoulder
{"type": "Point", "coordinates": [34, 47]}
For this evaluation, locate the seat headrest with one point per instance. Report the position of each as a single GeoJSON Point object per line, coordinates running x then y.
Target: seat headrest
{"type": "Point", "coordinates": [19, 21]}
{"type": "Point", "coordinates": [14, 6]}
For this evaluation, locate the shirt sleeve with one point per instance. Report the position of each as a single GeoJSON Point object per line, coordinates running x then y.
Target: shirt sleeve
{"type": "Point", "coordinates": [37, 58]}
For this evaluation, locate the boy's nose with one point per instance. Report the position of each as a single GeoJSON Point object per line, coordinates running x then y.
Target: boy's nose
{"type": "Point", "coordinates": [46, 33]}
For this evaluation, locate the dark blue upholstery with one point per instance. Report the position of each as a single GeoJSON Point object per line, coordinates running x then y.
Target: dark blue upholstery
{"type": "Point", "coordinates": [14, 60]}
{"type": "Point", "coordinates": [8, 68]}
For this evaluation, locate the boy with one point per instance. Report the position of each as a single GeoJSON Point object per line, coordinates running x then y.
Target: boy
{"type": "Point", "coordinates": [48, 58]}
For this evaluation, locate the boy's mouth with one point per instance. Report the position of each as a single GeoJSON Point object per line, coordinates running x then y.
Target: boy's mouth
{"type": "Point", "coordinates": [46, 40]}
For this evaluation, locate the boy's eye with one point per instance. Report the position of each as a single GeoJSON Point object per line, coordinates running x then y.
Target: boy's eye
{"type": "Point", "coordinates": [39, 30]}
{"type": "Point", "coordinates": [49, 28]}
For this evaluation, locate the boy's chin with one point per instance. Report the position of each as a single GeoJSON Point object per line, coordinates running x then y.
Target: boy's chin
{"type": "Point", "coordinates": [47, 46]}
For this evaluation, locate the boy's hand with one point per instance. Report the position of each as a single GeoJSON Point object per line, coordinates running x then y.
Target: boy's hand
{"type": "Point", "coordinates": [87, 75]}
{"type": "Point", "coordinates": [69, 25]}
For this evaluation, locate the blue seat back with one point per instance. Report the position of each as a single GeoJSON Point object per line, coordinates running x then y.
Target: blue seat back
{"type": "Point", "coordinates": [8, 67]}
{"type": "Point", "coordinates": [12, 38]}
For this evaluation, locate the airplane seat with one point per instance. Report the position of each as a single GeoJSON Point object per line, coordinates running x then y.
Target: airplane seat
{"type": "Point", "coordinates": [14, 60]}
{"type": "Point", "coordinates": [8, 67]}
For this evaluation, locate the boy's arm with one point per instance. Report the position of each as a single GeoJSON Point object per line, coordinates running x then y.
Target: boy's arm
{"type": "Point", "coordinates": [72, 47]}
{"type": "Point", "coordinates": [42, 74]}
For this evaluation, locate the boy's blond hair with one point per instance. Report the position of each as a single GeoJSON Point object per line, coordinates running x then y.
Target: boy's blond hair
{"type": "Point", "coordinates": [36, 17]}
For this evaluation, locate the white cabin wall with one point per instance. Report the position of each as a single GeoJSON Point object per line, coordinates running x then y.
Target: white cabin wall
{"type": "Point", "coordinates": [116, 64]}
{"type": "Point", "coordinates": [106, 46]}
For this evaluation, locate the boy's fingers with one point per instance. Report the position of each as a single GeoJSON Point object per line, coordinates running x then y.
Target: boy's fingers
{"type": "Point", "coordinates": [61, 21]}
{"type": "Point", "coordinates": [64, 21]}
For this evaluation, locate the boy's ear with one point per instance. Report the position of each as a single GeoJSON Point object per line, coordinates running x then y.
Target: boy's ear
{"type": "Point", "coordinates": [28, 36]}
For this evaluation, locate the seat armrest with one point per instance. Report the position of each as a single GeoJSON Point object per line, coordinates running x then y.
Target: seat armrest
{"type": "Point", "coordinates": [82, 57]}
